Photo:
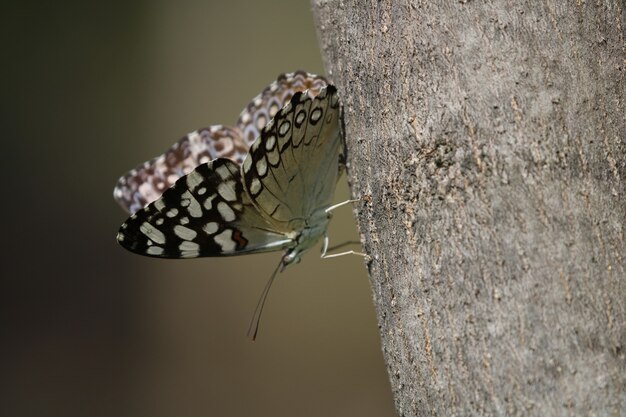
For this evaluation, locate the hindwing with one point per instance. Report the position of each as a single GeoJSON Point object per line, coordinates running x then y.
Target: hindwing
{"type": "Point", "coordinates": [293, 167]}
{"type": "Point", "coordinates": [148, 181]}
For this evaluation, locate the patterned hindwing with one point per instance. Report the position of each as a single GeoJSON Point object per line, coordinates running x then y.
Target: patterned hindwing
{"type": "Point", "coordinates": [148, 181]}
{"type": "Point", "coordinates": [293, 167]}
{"type": "Point", "coordinates": [205, 213]}
{"type": "Point", "coordinates": [265, 106]}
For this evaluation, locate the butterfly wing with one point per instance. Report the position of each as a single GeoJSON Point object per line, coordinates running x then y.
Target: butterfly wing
{"type": "Point", "coordinates": [293, 167]}
{"type": "Point", "coordinates": [265, 106]}
{"type": "Point", "coordinates": [148, 181]}
{"type": "Point", "coordinates": [205, 213]}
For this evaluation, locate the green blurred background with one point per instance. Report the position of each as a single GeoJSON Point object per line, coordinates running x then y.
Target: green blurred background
{"type": "Point", "coordinates": [90, 91]}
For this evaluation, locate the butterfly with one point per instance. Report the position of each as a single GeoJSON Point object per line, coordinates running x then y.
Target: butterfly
{"type": "Point", "coordinates": [264, 185]}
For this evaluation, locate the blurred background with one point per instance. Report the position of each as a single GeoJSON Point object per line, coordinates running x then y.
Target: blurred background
{"type": "Point", "coordinates": [88, 329]}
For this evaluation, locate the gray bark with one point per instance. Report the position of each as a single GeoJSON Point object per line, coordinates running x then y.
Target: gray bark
{"type": "Point", "coordinates": [486, 141]}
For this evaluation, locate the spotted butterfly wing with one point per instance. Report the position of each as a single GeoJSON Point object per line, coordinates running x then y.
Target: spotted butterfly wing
{"type": "Point", "coordinates": [205, 213]}
{"type": "Point", "coordinates": [149, 180]}
{"type": "Point", "coordinates": [265, 106]}
{"type": "Point", "coordinates": [275, 200]}
{"type": "Point", "coordinates": [292, 168]}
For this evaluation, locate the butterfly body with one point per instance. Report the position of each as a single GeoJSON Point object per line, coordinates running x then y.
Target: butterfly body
{"type": "Point", "coordinates": [273, 198]}
{"type": "Point", "coordinates": [308, 237]}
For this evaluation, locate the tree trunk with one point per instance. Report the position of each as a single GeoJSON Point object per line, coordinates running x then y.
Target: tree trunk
{"type": "Point", "coordinates": [486, 141]}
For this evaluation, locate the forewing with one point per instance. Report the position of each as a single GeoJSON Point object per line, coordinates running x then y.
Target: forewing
{"type": "Point", "coordinates": [293, 167]}
{"type": "Point", "coordinates": [205, 213]}
{"type": "Point", "coordinates": [265, 106]}
{"type": "Point", "coordinates": [149, 180]}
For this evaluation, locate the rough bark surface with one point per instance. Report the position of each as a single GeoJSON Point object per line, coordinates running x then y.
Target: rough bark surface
{"type": "Point", "coordinates": [487, 143]}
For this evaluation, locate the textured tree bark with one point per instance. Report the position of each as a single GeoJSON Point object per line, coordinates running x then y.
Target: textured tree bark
{"type": "Point", "coordinates": [487, 143]}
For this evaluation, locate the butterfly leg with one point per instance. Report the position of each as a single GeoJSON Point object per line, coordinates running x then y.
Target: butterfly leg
{"type": "Point", "coordinates": [343, 203]}
{"type": "Point", "coordinates": [325, 250]}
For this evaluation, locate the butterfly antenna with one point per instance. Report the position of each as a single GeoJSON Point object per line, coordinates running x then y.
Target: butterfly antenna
{"type": "Point", "coordinates": [253, 329]}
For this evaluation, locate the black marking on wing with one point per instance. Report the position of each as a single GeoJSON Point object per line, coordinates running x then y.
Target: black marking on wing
{"type": "Point", "coordinates": [149, 180]}
{"type": "Point", "coordinates": [205, 213]}
{"type": "Point", "coordinates": [290, 180]}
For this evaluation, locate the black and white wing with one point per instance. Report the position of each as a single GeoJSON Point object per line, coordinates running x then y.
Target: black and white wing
{"type": "Point", "coordinates": [282, 188]}
{"type": "Point", "coordinates": [293, 167]}
{"type": "Point", "coordinates": [149, 180]}
{"type": "Point", "coordinates": [205, 213]}
{"type": "Point", "coordinates": [274, 97]}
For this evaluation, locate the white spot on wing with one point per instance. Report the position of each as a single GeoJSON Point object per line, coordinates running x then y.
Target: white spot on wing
{"type": "Point", "coordinates": [225, 211]}
{"type": "Point", "coordinates": [226, 241]}
{"type": "Point", "coordinates": [159, 205]}
{"type": "Point", "coordinates": [255, 186]}
{"type": "Point", "coordinates": [189, 246]}
{"type": "Point", "coordinates": [260, 122]}
{"type": "Point", "coordinates": [247, 164]}
{"type": "Point", "coordinates": [273, 157]}
{"type": "Point", "coordinates": [184, 233]}
{"type": "Point", "coordinates": [208, 203]}
{"type": "Point", "coordinates": [300, 117]}
{"type": "Point", "coordinates": [193, 180]}
{"type": "Point", "coordinates": [152, 233]}
{"type": "Point", "coordinates": [261, 167]}
{"type": "Point", "coordinates": [223, 172]}
{"type": "Point", "coordinates": [227, 191]}
{"type": "Point", "coordinates": [193, 207]}
{"type": "Point", "coordinates": [316, 115]}
{"type": "Point", "coordinates": [284, 128]}
{"type": "Point", "coordinates": [210, 228]}
{"type": "Point", "coordinates": [155, 250]}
